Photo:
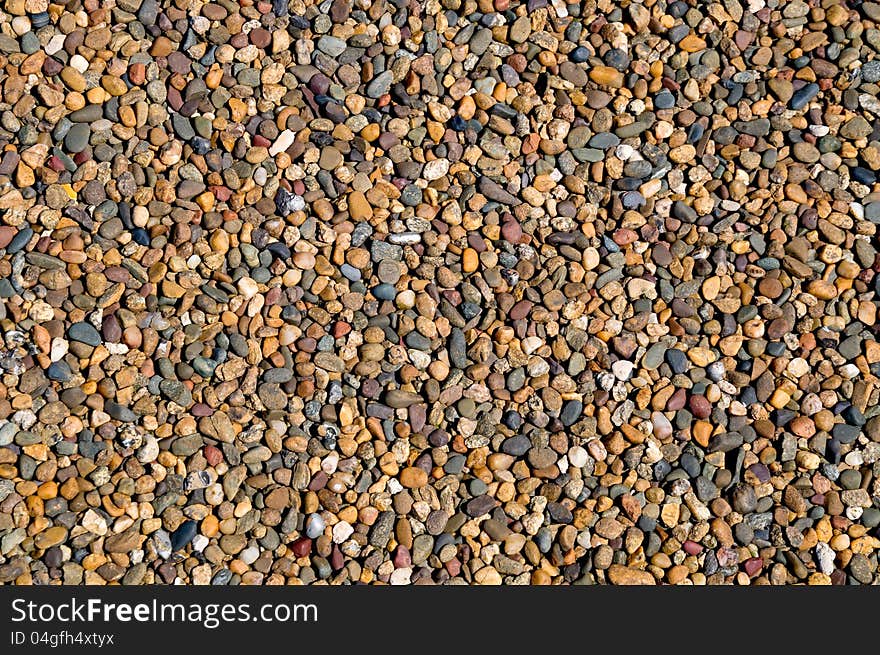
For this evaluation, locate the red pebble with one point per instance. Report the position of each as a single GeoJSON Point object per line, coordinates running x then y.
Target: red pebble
{"type": "Point", "coordinates": [512, 231]}
{"type": "Point", "coordinates": [273, 296]}
{"type": "Point", "coordinates": [337, 559]}
{"type": "Point", "coordinates": [677, 400]}
{"type": "Point", "coordinates": [700, 407]}
{"type": "Point", "coordinates": [201, 409]}
{"type": "Point", "coordinates": [213, 455]}
{"type": "Point", "coordinates": [753, 566]}
{"type": "Point", "coordinates": [55, 164]}
{"type": "Point", "coordinates": [7, 233]}
{"type": "Point", "coordinates": [302, 546]}
{"type": "Point", "coordinates": [137, 74]}
{"type": "Point", "coordinates": [624, 236]}
{"type": "Point", "coordinates": [221, 193]}
{"type": "Point", "coordinates": [520, 310]}
{"type": "Point", "coordinates": [402, 557]}
{"type": "Point", "coordinates": [692, 547]}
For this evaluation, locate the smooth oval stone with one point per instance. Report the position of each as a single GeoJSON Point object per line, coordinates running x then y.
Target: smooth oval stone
{"type": "Point", "coordinates": [84, 333]}
{"type": "Point", "coordinates": [181, 537]}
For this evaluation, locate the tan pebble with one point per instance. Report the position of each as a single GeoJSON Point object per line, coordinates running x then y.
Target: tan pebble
{"type": "Point", "coordinates": [487, 576]}
{"type": "Point", "coordinates": [304, 260]}
{"type": "Point", "coordinates": [113, 85]}
{"type": "Point", "coordinates": [51, 537]}
{"type": "Point", "coordinates": [822, 290]}
{"type": "Point", "coordinates": [692, 43]}
{"type": "Point", "coordinates": [590, 259]}
{"type": "Point", "coordinates": [624, 575]}
{"type": "Point", "coordinates": [606, 75]}
{"type": "Point", "coordinates": [73, 79]}
{"type": "Point", "coordinates": [358, 207]}
{"type": "Point", "coordinates": [467, 107]}
{"type": "Point", "coordinates": [413, 477]}
{"type": "Point", "coordinates": [470, 261]}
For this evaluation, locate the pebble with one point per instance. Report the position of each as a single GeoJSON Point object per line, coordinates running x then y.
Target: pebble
{"type": "Point", "coordinates": [439, 293]}
{"type": "Point", "coordinates": [314, 526]}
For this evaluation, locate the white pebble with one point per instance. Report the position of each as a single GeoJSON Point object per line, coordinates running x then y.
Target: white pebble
{"type": "Point", "coordinates": [248, 287]}
{"type": "Point", "coordinates": [314, 526]}
{"type": "Point", "coordinates": [798, 367]}
{"type": "Point", "coordinates": [406, 299]}
{"type": "Point", "coordinates": [21, 25]}
{"type": "Point", "coordinates": [282, 143]}
{"type": "Point", "coordinates": [248, 555]}
{"type": "Point", "coordinates": [59, 349]}
{"type": "Point", "coordinates": [56, 43]}
{"type": "Point", "coordinates": [584, 540]}
{"type": "Point", "coordinates": [421, 360]}
{"type": "Point", "coordinates": [531, 344]}
{"type": "Point", "coordinates": [401, 576]}
{"type": "Point", "coordinates": [435, 169]}
{"type": "Point", "coordinates": [869, 103]}
{"type": "Point", "coordinates": [24, 418]}
{"type": "Point", "coordinates": [149, 451]}
{"type": "Point", "coordinates": [79, 63]}
{"type": "Point", "coordinates": [329, 463]}
{"type": "Point", "coordinates": [624, 151]}
{"type": "Point", "coordinates": [849, 371]}
{"type": "Point", "coordinates": [140, 215]}
{"type": "Point", "coordinates": [825, 557]}
{"type": "Point", "coordinates": [342, 531]}
{"type": "Point", "coordinates": [560, 8]}
{"type": "Point", "coordinates": [605, 381]}
{"type": "Point", "coordinates": [200, 24]}
{"type": "Point", "coordinates": [577, 456]}
{"type": "Point", "coordinates": [404, 238]}
{"type": "Point", "coordinates": [623, 369]}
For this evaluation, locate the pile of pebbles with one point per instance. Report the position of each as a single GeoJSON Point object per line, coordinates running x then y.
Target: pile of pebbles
{"type": "Point", "coordinates": [439, 292]}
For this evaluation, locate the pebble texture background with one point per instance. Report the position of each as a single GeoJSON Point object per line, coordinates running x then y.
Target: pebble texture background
{"type": "Point", "coordinates": [430, 292]}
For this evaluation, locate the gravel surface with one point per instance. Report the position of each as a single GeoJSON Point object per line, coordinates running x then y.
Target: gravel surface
{"type": "Point", "coordinates": [419, 292]}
